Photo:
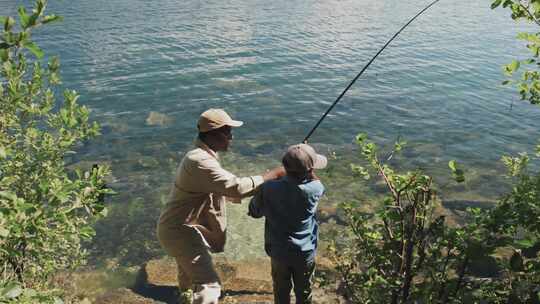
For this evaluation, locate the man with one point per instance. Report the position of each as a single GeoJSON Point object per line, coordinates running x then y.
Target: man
{"type": "Point", "coordinates": [193, 222]}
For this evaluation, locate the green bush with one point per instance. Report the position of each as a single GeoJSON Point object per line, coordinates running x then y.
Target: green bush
{"type": "Point", "coordinates": [528, 84]}
{"type": "Point", "coordinates": [405, 253]}
{"type": "Point", "coordinates": [46, 211]}
{"type": "Point", "coordinates": [514, 225]}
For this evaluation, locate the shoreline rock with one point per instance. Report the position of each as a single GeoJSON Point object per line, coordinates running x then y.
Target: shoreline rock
{"type": "Point", "coordinates": [243, 282]}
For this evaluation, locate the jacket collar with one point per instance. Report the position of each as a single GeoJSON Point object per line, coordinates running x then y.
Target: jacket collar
{"type": "Point", "coordinates": [200, 144]}
{"type": "Point", "coordinates": [295, 181]}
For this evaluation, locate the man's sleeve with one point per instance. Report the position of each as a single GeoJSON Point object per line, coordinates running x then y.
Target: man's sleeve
{"type": "Point", "coordinates": [255, 208]}
{"type": "Point", "coordinates": [220, 181]}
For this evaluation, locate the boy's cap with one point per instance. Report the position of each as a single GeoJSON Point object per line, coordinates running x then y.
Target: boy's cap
{"type": "Point", "coordinates": [302, 158]}
{"type": "Point", "coordinates": [212, 119]}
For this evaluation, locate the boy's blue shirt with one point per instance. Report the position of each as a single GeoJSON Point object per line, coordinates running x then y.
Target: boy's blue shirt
{"type": "Point", "coordinates": [289, 206]}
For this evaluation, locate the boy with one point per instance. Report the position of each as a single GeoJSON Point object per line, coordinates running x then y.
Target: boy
{"type": "Point", "coordinates": [290, 235]}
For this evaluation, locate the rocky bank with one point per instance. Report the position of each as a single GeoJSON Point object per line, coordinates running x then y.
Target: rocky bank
{"type": "Point", "coordinates": [243, 282]}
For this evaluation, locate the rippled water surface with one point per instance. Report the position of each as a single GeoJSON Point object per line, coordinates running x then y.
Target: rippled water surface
{"type": "Point", "coordinates": [277, 65]}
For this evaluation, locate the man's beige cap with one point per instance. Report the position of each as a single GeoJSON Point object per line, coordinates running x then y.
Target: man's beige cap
{"type": "Point", "coordinates": [212, 119]}
{"type": "Point", "coordinates": [302, 158]}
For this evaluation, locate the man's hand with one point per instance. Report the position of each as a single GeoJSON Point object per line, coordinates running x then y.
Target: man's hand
{"type": "Point", "coordinates": [275, 173]}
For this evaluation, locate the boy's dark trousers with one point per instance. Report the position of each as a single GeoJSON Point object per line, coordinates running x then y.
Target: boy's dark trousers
{"type": "Point", "coordinates": [285, 274]}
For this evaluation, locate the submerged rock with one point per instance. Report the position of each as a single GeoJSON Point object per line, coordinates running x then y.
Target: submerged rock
{"type": "Point", "coordinates": [158, 119]}
{"type": "Point", "coordinates": [148, 162]}
{"type": "Point", "coordinates": [464, 204]}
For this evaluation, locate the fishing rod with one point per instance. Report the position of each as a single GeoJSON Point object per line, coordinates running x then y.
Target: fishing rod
{"type": "Point", "coordinates": [365, 67]}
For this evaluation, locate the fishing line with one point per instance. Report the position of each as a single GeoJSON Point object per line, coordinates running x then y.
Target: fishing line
{"type": "Point", "coordinates": [362, 71]}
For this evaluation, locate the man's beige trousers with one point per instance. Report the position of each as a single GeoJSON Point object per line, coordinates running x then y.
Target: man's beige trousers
{"type": "Point", "coordinates": [195, 267]}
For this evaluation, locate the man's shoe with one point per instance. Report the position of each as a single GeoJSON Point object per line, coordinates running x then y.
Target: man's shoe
{"type": "Point", "coordinates": [185, 296]}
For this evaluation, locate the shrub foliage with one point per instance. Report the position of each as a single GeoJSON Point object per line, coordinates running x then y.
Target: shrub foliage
{"type": "Point", "coordinates": [46, 210]}
{"type": "Point", "coordinates": [406, 253]}
{"type": "Point", "coordinates": [528, 85]}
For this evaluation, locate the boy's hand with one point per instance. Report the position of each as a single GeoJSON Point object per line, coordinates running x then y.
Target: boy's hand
{"type": "Point", "coordinates": [313, 176]}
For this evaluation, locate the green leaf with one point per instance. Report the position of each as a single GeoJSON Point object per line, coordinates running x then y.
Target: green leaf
{"type": "Point", "coordinates": [51, 18]}
{"type": "Point", "coordinates": [8, 24]}
{"type": "Point", "coordinates": [523, 36]}
{"type": "Point", "coordinates": [87, 232]}
{"type": "Point", "coordinates": [13, 291]}
{"type": "Point", "coordinates": [34, 49]}
{"type": "Point", "coordinates": [373, 235]}
{"type": "Point", "coordinates": [40, 7]}
{"type": "Point", "coordinates": [30, 293]}
{"type": "Point", "coordinates": [54, 64]}
{"type": "Point", "coordinates": [4, 55]}
{"type": "Point", "coordinates": [58, 301]}
{"type": "Point", "coordinates": [452, 165]}
{"type": "Point", "coordinates": [399, 144]}
{"type": "Point", "coordinates": [4, 232]}
{"type": "Point", "coordinates": [457, 174]}
{"type": "Point", "coordinates": [8, 195]}
{"type": "Point", "coordinates": [495, 4]}
{"type": "Point", "coordinates": [531, 61]}
{"type": "Point", "coordinates": [3, 153]}
{"type": "Point", "coordinates": [525, 243]}
{"type": "Point", "coordinates": [360, 171]}
{"type": "Point", "coordinates": [514, 65]}
{"type": "Point", "coordinates": [361, 137]}
{"type": "Point", "coordinates": [104, 212]}
{"type": "Point", "coordinates": [24, 17]}
{"type": "Point", "coordinates": [506, 82]}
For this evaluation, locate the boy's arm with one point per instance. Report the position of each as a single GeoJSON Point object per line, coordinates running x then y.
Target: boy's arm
{"type": "Point", "coordinates": [255, 208]}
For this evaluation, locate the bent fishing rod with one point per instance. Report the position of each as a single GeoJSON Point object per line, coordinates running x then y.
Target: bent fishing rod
{"type": "Point", "coordinates": [362, 71]}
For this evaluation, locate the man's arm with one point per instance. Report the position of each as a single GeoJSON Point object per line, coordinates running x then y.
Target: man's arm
{"type": "Point", "coordinates": [220, 181]}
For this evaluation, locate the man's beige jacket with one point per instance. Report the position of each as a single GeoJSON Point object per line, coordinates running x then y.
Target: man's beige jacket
{"type": "Point", "coordinates": [197, 198]}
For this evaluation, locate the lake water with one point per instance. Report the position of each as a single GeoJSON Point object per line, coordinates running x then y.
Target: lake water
{"type": "Point", "coordinates": [277, 65]}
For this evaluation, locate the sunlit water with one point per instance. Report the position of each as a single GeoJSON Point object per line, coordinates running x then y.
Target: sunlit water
{"type": "Point", "coordinates": [277, 65]}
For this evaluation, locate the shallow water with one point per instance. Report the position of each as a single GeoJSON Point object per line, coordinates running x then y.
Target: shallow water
{"type": "Point", "coordinates": [277, 66]}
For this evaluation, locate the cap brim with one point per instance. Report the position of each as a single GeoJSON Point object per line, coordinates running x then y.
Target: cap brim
{"type": "Point", "coordinates": [234, 123]}
{"type": "Point", "coordinates": [320, 162]}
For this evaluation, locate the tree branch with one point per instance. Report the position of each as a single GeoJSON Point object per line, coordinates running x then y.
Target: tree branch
{"type": "Point", "coordinates": [531, 16]}
{"type": "Point", "coordinates": [387, 181]}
